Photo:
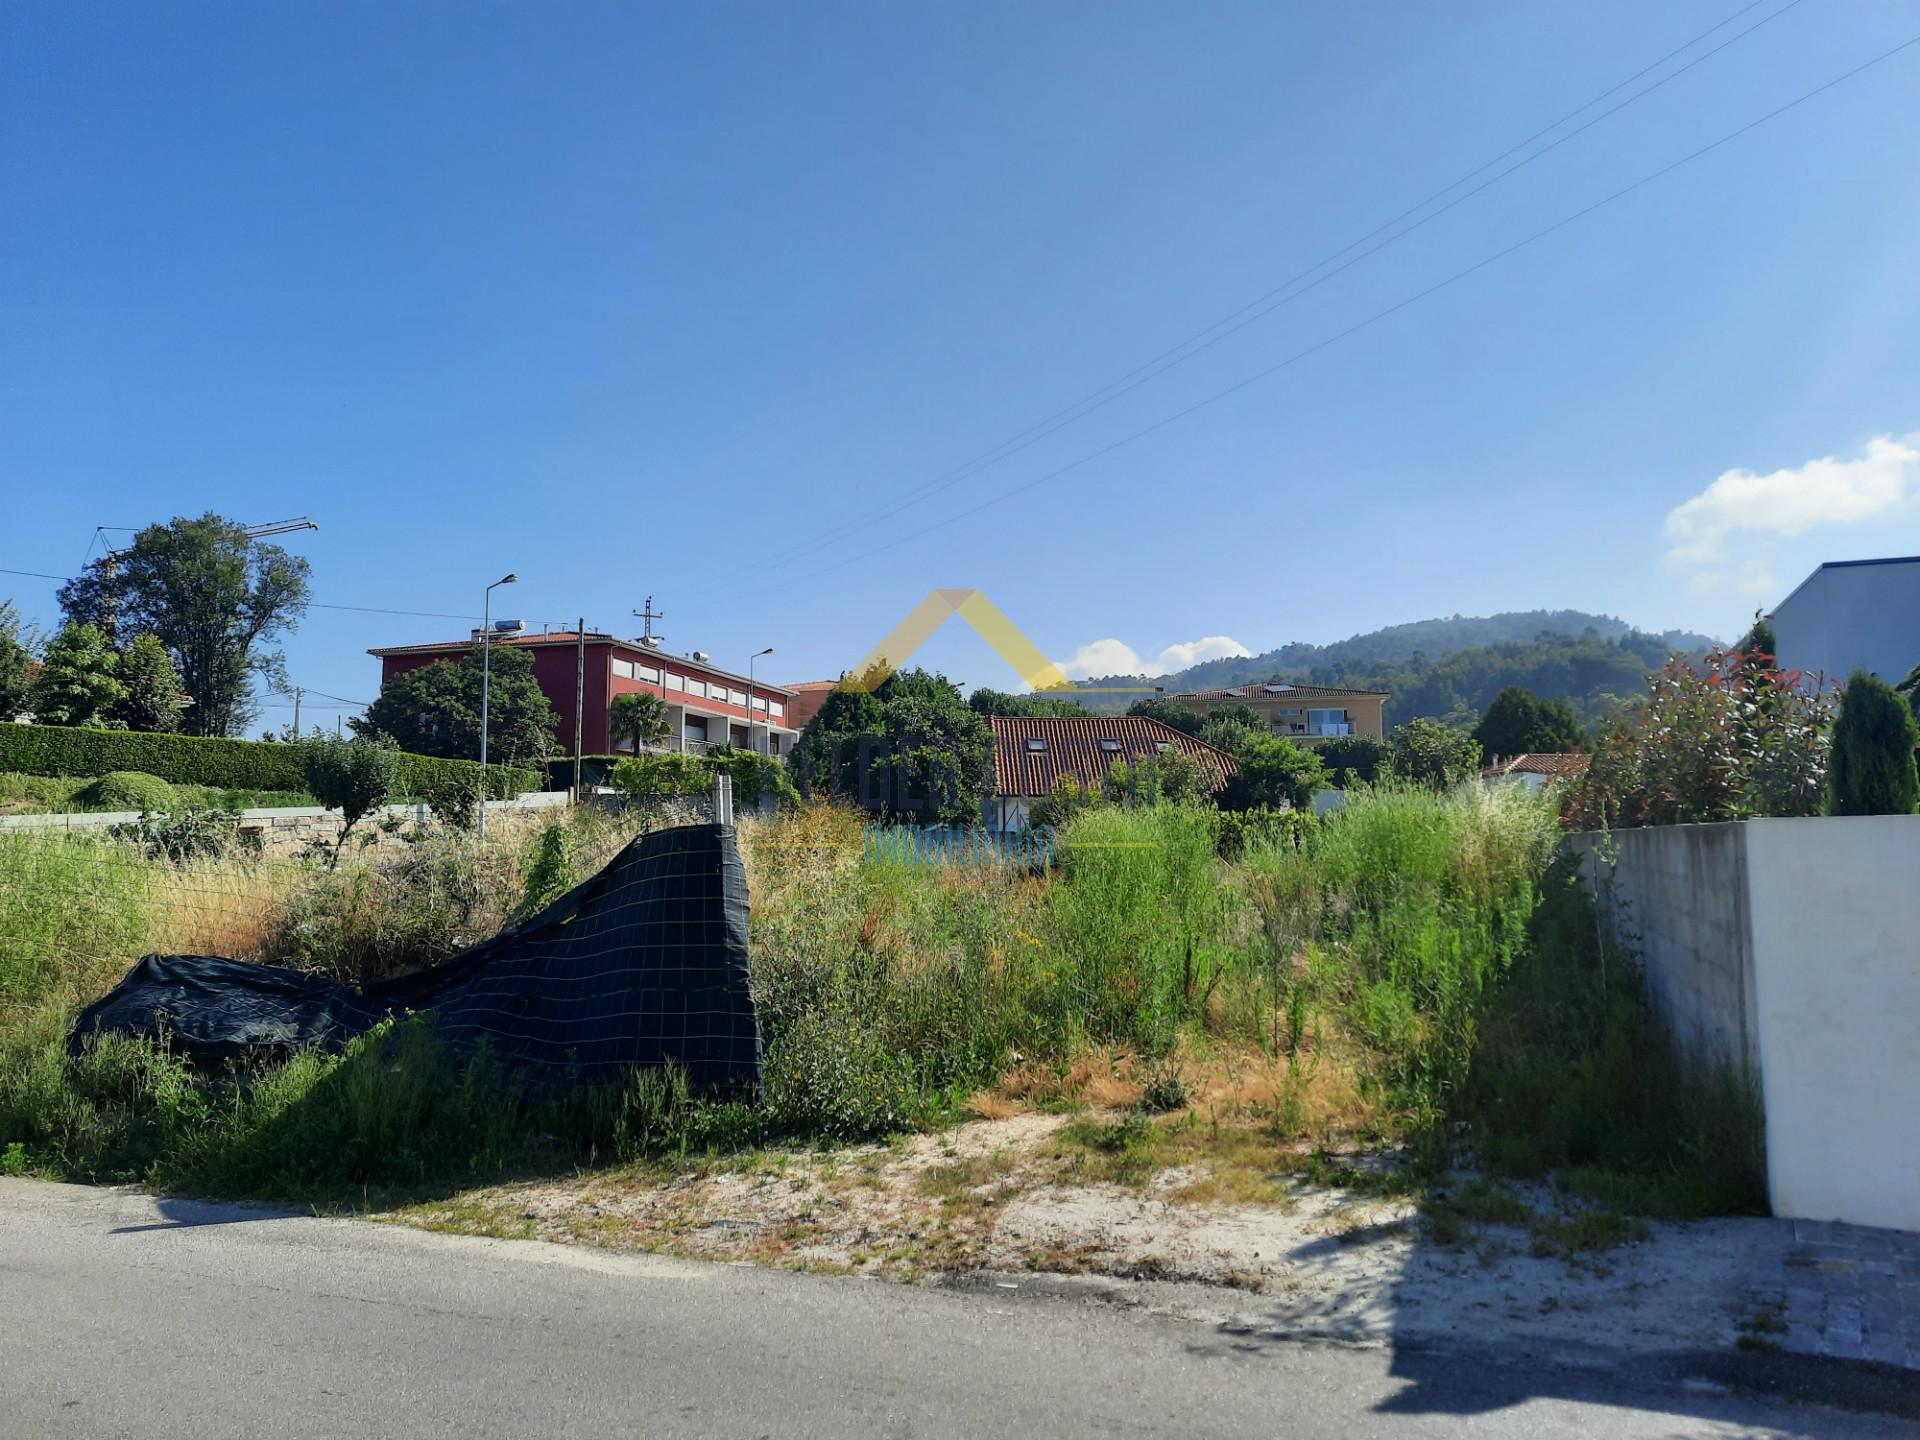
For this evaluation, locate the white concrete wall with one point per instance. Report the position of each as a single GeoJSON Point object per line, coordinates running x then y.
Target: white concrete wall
{"type": "Point", "coordinates": [1836, 951]}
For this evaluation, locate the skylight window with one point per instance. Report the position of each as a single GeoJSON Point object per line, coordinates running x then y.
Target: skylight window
{"type": "Point", "coordinates": [1035, 745]}
{"type": "Point", "coordinates": [1278, 689]}
{"type": "Point", "coordinates": [1111, 746]}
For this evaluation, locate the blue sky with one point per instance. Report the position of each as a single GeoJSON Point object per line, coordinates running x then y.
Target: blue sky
{"type": "Point", "coordinates": [662, 299]}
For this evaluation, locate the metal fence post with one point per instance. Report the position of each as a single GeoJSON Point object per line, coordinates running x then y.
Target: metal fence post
{"type": "Point", "coordinates": [722, 799]}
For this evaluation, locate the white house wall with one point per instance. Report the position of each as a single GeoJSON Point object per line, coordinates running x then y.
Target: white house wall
{"type": "Point", "coordinates": [1836, 948]}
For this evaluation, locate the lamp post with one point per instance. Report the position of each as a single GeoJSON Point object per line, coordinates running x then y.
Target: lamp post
{"type": "Point", "coordinates": [486, 684]}
{"type": "Point", "coordinates": [750, 659]}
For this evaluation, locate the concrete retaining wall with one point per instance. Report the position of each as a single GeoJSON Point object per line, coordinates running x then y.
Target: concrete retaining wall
{"type": "Point", "coordinates": [1677, 896]}
{"type": "Point", "coordinates": [1791, 948]}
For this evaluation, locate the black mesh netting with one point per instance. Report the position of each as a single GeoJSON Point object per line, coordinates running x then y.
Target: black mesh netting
{"type": "Point", "coordinates": [644, 964]}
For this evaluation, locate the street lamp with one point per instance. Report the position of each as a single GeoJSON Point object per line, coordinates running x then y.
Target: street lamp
{"type": "Point", "coordinates": [486, 684]}
{"type": "Point", "coordinates": [750, 659]}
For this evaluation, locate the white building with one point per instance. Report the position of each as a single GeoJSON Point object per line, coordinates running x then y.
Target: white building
{"type": "Point", "coordinates": [1852, 614]}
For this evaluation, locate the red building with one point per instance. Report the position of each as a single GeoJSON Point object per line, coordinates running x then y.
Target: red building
{"type": "Point", "coordinates": [706, 705]}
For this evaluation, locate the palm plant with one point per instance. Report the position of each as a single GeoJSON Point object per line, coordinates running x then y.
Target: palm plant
{"type": "Point", "coordinates": [639, 719]}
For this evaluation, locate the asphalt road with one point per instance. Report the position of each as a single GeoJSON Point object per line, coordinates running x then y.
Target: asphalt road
{"type": "Point", "coordinates": [125, 1315]}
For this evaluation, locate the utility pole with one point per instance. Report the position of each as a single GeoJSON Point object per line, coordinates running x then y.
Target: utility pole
{"type": "Point", "coordinates": [486, 685]}
{"type": "Point", "coordinates": [580, 697]}
{"type": "Point", "coordinates": [297, 693]}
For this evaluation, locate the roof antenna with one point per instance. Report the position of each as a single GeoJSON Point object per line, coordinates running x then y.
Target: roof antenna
{"type": "Point", "coordinates": [646, 618]}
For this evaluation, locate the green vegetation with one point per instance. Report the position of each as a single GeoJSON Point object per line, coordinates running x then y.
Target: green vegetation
{"type": "Point", "coordinates": [1871, 768]}
{"type": "Point", "coordinates": [1273, 773]}
{"type": "Point", "coordinates": [151, 682]}
{"type": "Point", "coordinates": [126, 790]}
{"type": "Point", "coordinates": [1729, 739]}
{"type": "Point", "coordinates": [62, 795]}
{"type": "Point", "coordinates": [1407, 968]}
{"type": "Point", "coordinates": [1353, 757]}
{"type": "Point", "coordinates": [984, 701]}
{"type": "Point", "coordinates": [245, 765]}
{"type": "Point", "coordinates": [435, 709]}
{"type": "Point", "coordinates": [1452, 669]}
{"type": "Point", "coordinates": [15, 658]}
{"type": "Point", "coordinates": [213, 597]}
{"type": "Point", "coordinates": [639, 719]}
{"type": "Point", "coordinates": [1426, 752]}
{"type": "Point", "coordinates": [911, 750]}
{"type": "Point", "coordinates": [354, 777]}
{"type": "Point", "coordinates": [1519, 722]}
{"type": "Point", "coordinates": [76, 684]}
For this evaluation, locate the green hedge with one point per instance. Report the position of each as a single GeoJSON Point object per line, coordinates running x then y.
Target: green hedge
{"type": "Point", "coordinates": [226, 764]}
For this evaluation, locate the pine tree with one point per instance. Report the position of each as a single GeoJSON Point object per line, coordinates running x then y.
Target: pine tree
{"type": "Point", "coordinates": [1872, 770]}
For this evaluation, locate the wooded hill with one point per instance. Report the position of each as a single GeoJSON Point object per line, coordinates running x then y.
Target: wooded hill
{"type": "Point", "coordinates": [1450, 669]}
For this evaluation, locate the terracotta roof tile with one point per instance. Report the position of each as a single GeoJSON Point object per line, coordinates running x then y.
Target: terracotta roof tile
{"type": "Point", "coordinates": [1555, 766]}
{"type": "Point", "coordinates": [1073, 748]}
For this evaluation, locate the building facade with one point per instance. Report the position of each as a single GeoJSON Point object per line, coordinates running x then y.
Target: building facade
{"type": "Point", "coordinates": [706, 705]}
{"type": "Point", "coordinates": [1850, 615]}
{"type": "Point", "coordinates": [1299, 712]}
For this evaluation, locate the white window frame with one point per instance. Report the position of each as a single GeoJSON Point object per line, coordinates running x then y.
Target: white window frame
{"type": "Point", "coordinates": [676, 681]}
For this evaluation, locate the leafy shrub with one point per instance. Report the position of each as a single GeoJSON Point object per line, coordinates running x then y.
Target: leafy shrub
{"type": "Point", "coordinates": [126, 790]}
{"type": "Point", "coordinates": [189, 835]}
{"type": "Point", "coordinates": [1353, 757]}
{"type": "Point", "coordinates": [1238, 830]}
{"type": "Point", "coordinates": [549, 868]}
{"type": "Point", "coordinates": [641, 776]}
{"type": "Point", "coordinates": [754, 775]}
{"type": "Point", "coordinates": [1433, 754]}
{"type": "Point", "coordinates": [351, 776]}
{"type": "Point", "coordinates": [1871, 769]}
{"type": "Point", "coordinates": [1731, 739]}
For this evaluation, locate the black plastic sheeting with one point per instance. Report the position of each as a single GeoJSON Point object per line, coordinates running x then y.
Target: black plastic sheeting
{"type": "Point", "coordinates": [643, 965]}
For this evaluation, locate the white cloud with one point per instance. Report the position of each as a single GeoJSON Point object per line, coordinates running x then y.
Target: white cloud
{"type": "Point", "coordinates": [1116, 657]}
{"type": "Point", "coordinates": [1785, 504]}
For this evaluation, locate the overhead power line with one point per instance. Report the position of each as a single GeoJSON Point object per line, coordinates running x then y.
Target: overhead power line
{"type": "Point", "coordinates": [1285, 293]}
{"type": "Point", "coordinates": [1389, 311]}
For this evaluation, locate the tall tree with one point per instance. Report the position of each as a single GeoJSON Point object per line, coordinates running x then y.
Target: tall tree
{"type": "Point", "coordinates": [1353, 757]}
{"type": "Point", "coordinates": [1170, 712]}
{"type": "Point", "coordinates": [984, 701]}
{"type": "Point", "coordinates": [147, 672]}
{"type": "Point", "coordinates": [1429, 753]}
{"type": "Point", "coordinates": [215, 598]}
{"type": "Point", "coordinates": [640, 719]}
{"type": "Point", "coordinates": [16, 665]}
{"type": "Point", "coordinates": [1870, 769]}
{"type": "Point", "coordinates": [1273, 771]}
{"type": "Point", "coordinates": [76, 684]}
{"type": "Point", "coordinates": [435, 710]}
{"type": "Point", "coordinates": [1519, 722]}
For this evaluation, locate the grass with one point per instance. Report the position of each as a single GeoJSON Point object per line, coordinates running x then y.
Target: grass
{"type": "Point", "coordinates": [1413, 971]}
